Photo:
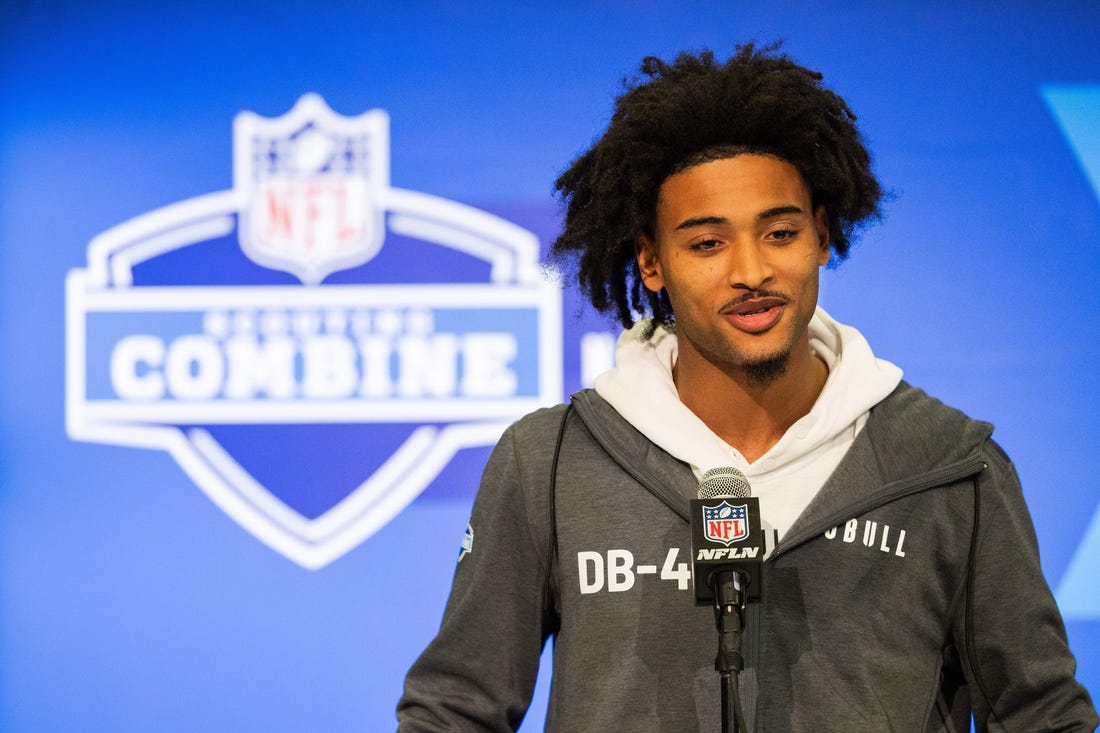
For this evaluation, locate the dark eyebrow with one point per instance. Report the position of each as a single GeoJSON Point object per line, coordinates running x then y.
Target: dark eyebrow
{"type": "Point", "coordinates": [778, 211]}
{"type": "Point", "coordinates": [771, 213]}
{"type": "Point", "coordinates": [700, 221]}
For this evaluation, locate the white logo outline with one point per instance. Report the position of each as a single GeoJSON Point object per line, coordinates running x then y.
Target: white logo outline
{"type": "Point", "coordinates": [107, 284]}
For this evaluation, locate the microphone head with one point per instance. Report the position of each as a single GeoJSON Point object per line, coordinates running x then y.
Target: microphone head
{"type": "Point", "coordinates": [724, 482]}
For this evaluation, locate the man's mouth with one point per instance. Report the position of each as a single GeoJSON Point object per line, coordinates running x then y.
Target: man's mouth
{"type": "Point", "coordinates": [755, 315]}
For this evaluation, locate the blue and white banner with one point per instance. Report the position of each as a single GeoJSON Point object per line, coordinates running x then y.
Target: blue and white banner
{"type": "Point", "coordinates": [176, 341]}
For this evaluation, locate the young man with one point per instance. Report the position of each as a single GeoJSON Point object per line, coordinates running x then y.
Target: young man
{"type": "Point", "coordinates": [902, 588]}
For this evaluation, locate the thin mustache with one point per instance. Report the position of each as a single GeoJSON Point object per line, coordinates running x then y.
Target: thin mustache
{"type": "Point", "coordinates": [752, 295]}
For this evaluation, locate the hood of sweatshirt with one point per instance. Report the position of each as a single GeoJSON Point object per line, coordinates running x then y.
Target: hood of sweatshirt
{"type": "Point", "coordinates": [788, 476]}
{"type": "Point", "coordinates": [641, 389]}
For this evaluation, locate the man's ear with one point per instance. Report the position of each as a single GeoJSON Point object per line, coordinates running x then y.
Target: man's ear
{"type": "Point", "coordinates": [649, 265]}
{"type": "Point", "coordinates": [821, 226]}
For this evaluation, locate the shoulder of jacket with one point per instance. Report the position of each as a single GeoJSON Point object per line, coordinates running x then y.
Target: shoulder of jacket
{"type": "Point", "coordinates": [912, 413]}
{"type": "Point", "coordinates": [540, 423]}
{"type": "Point", "coordinates": [912, 433]}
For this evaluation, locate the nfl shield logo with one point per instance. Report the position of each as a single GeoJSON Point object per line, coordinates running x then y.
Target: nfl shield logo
{"type": "Point", "coordinates": [257, 387]}
{"type": "Point", "coordinates": [726, 523]}
{"type": "Point", "coordinates": [312, 184]}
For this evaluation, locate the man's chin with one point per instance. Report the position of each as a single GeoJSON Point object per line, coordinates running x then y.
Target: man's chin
{"type": "Point", "coordinates": [763, 372]}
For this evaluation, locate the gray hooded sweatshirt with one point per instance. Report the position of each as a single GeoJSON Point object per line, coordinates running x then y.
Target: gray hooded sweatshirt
{"type": "Point", "coordinates": [906, 597]}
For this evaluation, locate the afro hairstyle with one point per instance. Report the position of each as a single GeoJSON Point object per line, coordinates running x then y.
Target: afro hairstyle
{"type": "Point", "coordinates": [676, 115]}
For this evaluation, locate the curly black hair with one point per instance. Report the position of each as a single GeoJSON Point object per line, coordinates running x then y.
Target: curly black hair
{"type": "Point", "coordinates": [676, 115]}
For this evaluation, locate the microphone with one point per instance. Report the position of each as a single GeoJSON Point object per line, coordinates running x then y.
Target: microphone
{"type": "Point", "coordinates": [727, 546]}
{"type": "Point", "coordinates": [726, 536]}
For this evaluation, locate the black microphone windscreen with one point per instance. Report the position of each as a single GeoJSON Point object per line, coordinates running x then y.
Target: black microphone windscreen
{"type": "Point", "coordinates": [724, 482]}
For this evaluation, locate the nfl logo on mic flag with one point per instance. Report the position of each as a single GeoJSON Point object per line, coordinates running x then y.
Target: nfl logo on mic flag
{"type": "Point", "coordinates": [726, 523]}
{"type": "Point", "coordinates": [724, 534]}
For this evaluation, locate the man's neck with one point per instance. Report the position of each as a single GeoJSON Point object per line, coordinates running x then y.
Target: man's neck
{"type": "Point", "coordinates": [747, 413]}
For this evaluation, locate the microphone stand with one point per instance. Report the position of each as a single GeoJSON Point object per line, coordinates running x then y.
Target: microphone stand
{"type": "Point", "coordinates": [729, 607]}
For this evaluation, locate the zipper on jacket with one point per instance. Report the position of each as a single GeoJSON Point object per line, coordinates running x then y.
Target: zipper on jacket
{"type": "Point", "coordinates": [942, 476]}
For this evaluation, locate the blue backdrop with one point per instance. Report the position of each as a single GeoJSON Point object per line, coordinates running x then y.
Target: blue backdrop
{"type": "Point", "coordinates": [180, 551]}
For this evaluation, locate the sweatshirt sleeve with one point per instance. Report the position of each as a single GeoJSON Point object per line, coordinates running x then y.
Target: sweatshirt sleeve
{"type": "Point", "coordinates": [1013, 642]}
{"type": "Point", "coordinates": [479, 671]}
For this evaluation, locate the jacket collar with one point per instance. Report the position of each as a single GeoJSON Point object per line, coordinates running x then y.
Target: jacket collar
{"type": "Point", "coordinates": [911, 442]}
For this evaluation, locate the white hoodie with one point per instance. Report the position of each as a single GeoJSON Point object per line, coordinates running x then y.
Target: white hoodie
{"type": "Point", "coordinates": [786, 478]}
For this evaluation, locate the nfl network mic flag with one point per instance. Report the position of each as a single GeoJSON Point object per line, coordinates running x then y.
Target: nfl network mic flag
{"type": "Point", "coordinates": [726, 533]}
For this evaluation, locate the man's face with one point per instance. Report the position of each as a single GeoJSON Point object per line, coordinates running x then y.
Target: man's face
{"type": "Point", "coordinates": [738, 247]}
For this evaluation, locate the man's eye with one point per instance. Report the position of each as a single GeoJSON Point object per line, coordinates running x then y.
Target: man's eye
{"type": "Point", "coordinates": [783, 234]}
{"type": "Point", "coordinates": [707, 245]}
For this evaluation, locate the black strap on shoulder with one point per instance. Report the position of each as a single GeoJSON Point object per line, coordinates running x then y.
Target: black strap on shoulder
{"type": "Point", "coordinates": [550, 584]}
{"type": "Point", "coordinates": [970, 581]}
